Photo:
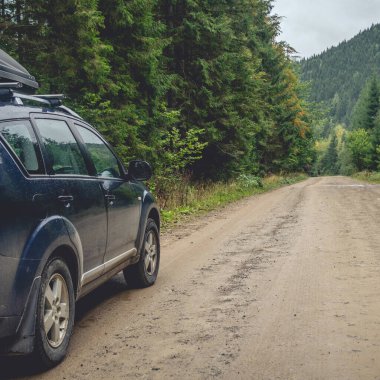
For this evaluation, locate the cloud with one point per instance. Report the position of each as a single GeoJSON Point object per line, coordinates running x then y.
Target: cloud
{"type": "Point", "coordinates": [312, 26]}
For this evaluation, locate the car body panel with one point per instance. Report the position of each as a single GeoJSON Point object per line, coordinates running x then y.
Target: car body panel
{"type": "Point", "coordinates": [123, 216]}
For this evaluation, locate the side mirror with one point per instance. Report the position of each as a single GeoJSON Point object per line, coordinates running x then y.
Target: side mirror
{"type": "Point", "coordinates": [139, 170]}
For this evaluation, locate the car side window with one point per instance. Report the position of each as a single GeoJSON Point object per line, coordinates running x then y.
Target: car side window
{"type": "Point", "coordinates": [20, 136]}
{"type": "Point", "coordinates": [106, 164]}
{"type": "Point", "coordinates": [61, 146]}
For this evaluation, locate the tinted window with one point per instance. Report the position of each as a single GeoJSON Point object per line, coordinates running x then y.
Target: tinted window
{"type": "Point", "coordinates": [21, 138]}
{"type": "Point", "coordinates": [105, 162]}
{"type": "Point", "coordinates": [61, 146]}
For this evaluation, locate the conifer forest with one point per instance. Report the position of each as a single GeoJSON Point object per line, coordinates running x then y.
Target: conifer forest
{"type": "Point", "coordinates": [344, 88]}
{"type": "Point", "coordinates": [201, 89]}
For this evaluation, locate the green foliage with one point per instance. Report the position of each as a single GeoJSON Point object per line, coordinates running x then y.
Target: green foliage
{"type": "Point", "coordinates": [338, 74]}
{"type": "Point", "coordinates": [330, 159]}
{"type": "Point", "coordinates": [372, 177]}
{"type": "Point", "coordinates": [367, 107]}
{"type": "Point", "coordinates": [199, 88]}
{"type": "Point", "coordinates": [250, 181]}
{"type": "Point", "coordinates": [178, 152]}
{"type": "Point", "coordinates": [365, 147]}
{"type": "Point", "coordinates": [203, 197]}
{"type": "Point", "coordinates": [359, 149]}
{"type": "Point", "coordinates": [376, 142]}
{"type": "Point", "coordinates": [345, 86]}
{"type": "Point", "coordinates": [360, 145]}
{"type": "Point", "coordinates": [345, 161]}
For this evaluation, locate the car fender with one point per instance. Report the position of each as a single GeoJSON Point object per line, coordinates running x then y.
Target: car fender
{"type": "Point", "coordinates": [51, 234]}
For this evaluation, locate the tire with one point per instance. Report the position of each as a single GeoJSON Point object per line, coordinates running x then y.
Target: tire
{"type": "Point", "coordinates": [144, 273]}
{"type": "Point", "coordinates": [55, 314]}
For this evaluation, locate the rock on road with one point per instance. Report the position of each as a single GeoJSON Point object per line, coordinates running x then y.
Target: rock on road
{"type": "Point", "coordinates": [285, 285]}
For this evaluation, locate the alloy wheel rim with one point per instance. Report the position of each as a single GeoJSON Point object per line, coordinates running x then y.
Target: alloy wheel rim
{"type": "Point", "coordinates": [150, 253]}
{"type": "Point", "coordinates": [56, 310]}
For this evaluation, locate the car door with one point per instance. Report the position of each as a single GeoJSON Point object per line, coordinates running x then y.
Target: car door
{"type": "Point", "coordinates": [123, 201]}
{"type": "Point", "coordinates": [79, 197]}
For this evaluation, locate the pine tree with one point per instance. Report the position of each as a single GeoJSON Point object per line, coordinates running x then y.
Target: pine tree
{"type": "Point", "coordinates": [134, 103]}
{"type": "Point", "coordinates": [376, 143]}
{"type": "Point", "coordinates": [366, 118]}
{"type": "Point", "coordinates": [372, 106]}
{"type": "Point", "coordinates": [216, 80]}
{"type": "Point", "coordinates": [330, 160]}
{"type": "Point", "coordinates": [360, 145]}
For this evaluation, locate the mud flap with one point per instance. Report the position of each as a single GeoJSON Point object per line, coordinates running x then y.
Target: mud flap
{"type": "Point", "coordinates": [24, 341]}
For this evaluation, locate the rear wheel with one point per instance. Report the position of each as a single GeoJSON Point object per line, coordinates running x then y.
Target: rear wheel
{"type": "Point", "coordinates": [144, 273]}
{"type": "Point", "coordinates": [55, 313]}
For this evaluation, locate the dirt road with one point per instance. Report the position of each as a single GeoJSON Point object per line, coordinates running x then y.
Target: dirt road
{"type": "Point", "coordinates": [285, 285]}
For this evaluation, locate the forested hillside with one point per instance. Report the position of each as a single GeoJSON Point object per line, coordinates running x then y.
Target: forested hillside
{"type": "Point", "coordinates": [338, 75]}
{"type": "Point", "coordinates": [199, 88]}
{"type": "Point", "coordinates": [357, 149]}
{"type": "Point", "coordinates": [345, 88]}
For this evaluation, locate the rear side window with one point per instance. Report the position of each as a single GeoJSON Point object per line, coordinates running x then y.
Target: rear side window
{"type": "Point", "coordinates": [20, 136]}
{"type": "Point", "coordinates": [105, 162]}
{"type": "Point", "coordinates": [61, 146]}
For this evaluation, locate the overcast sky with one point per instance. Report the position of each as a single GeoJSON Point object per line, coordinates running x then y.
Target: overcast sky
{"type": "Point", "coordinates": [311, 26]}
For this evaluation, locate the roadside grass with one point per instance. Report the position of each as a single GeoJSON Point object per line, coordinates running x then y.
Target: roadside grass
{"type": "Point", "coordinates": [207, 197]}
{"type": "Point", "coordinates": [372, 177]}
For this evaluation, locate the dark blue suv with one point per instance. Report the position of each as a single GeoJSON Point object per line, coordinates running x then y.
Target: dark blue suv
{"type": "Point", "coordinates": [71, 217]}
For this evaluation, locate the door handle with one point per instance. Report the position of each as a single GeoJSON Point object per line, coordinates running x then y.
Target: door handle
{"type": "Point", "coordinates": [66, 200]}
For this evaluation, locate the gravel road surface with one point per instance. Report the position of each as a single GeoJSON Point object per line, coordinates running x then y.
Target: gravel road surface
{"type": "Point", "coordinates": [285, 285]}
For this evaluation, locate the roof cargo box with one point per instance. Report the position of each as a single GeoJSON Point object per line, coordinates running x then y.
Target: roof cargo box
{"type": "Point", "coordinates": [12, 71]}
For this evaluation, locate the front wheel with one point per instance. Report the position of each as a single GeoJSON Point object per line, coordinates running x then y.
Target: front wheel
{"type": "Point", "coordinates": [144, 272]}
{"type": "Point", "coordinates": [55, 313]}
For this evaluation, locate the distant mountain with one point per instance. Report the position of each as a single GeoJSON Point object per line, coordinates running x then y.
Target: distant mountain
{"type": "Point", "coordinates": [338, 75]}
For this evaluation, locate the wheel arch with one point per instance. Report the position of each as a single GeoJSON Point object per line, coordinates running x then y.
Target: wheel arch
{"type": "Point", "coordinates": [50, 239]}
{"type": "Point", "coordinates": [155, 215]}
{"type": "Point", "coordinates": [149, 210]}
{"type": "Point", "coordinates": [65, 243]}
{"type": "Point", "coordinates": [68, 255]}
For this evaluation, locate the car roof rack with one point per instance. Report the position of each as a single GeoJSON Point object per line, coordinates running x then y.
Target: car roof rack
{"type": "Point", "coordinates": [8, 94]}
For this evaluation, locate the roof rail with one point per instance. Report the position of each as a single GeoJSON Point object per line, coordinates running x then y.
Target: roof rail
{"type": "Point", "coordinates": [69, 111]}
{"type": "Point", "coordinates": [55, 101]}
{"type": "Point", "coordinates": [10, 85]}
